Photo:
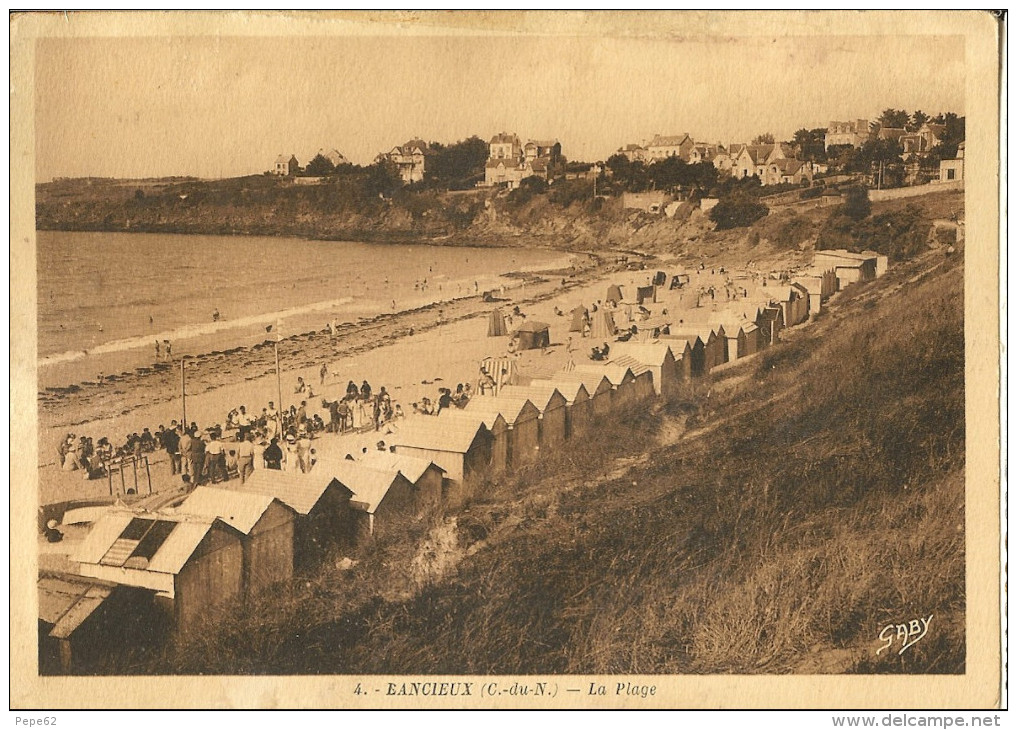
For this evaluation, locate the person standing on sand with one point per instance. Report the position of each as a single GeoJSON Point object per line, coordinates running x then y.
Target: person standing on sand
{"type": "Point", "coordinates": [272, 421]}
{"type": "Point", "coordinates": [171, 442]}
{"type": "Point", "coordinates": [245, 457]}
{"type": "Point", "coordinates": [323, 373]}
{"type": "Point", "coordinates": [184, 447]}
{"type": "Point", "coordinates": [158, 351]}
{"type": "Point", "coordinates": [273, 455]}
{"type": "Point", "coordinates": [197, 458]}
{"type": "Point", "coordinates": [215, 459]}
{"type": "Point", "coordinates": [168, 348]}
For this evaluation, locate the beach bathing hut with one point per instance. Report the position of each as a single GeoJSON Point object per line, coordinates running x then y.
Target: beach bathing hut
{"type": "Point", "coordinates": [621, 378]}
{"type": "Point", "coordinates": [603, 327]}
{"type": "Point", "coordinates": [533, 335]}
{"type": "Point", "coordinates": [597, 386]}
{"type": "Point", "coordinates": [266, 528]}
{"type": "Point", "coordinates": [614, 294]}
{"type": "Point", "coordinates": [707, 355]}
{"type": "Point", "coordinates": [82, 620]}
{"type": "Point", "coordinates": [552, 407]}
{"type": "Point", "coordinates": [578, 406]}
{"type": "Point", "coordinates": [381, 497]}
{"type": "Point", "coordinates": [693, 351]}
{"type": "Point", "coordinates": [849, 267]}
{"type": "Point", "coordinates": [829, 279]}
{"type": "Point", "coordinates": [426, 477]}
{"type": "Point", "coordinates": [652, 328]}
{"type": "Point", "coordinates": [647, 293]}
{"type": "Point", "coordinates": [193, 564]}
{"type": "Point", "coordinates": [642, 377]}
{"type": "Point", "coordinates": [794, 304]}
{"type": "Point", "coordinates": [658, 357]}
{"type": "Point", "coordinates": [496, 324]}
{"type": "Point", "coordinates": [580, 318]}
{"type": "Point", "coordinates": [813, 287]}
{"type": "Point", "coordinates": [496, 426]}
{"type": "Point", "coordinates": [522, 419]}
{"type": "Point", "coordinates": [463, 451]}
{"type": "Point", "coordinates": [322, 506]}
{"type": "Point", "coordinates": [742, 339]}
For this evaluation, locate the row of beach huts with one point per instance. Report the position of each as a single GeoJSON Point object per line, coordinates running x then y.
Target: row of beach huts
{"type": "Point", "coordinates": [140, 574]}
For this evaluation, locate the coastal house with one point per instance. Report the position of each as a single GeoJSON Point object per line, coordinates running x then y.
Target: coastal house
{"type": "Point", "coordinates": [854, 133]}
{"type": "Point", "coordinates": [285, 166]}
{"type": "Point", "coordinates": [787, 171]}
{"type": "Point", "coordinates": [192, 564]}
{"type": "Point", "coordinates": [505, 146]}
{"type": "Point", "coordinates": [951, 170]}
{"type": "Point", "coordinates": [322, 506]}
{"type": "Point", "coordinates": [265, 526]}
{"type": "Point", "coordinates": [410, 159]}
{"type": "Point", "coordinates": [663, 146]}
{"type": "Point", "coordinates": [633, 152]}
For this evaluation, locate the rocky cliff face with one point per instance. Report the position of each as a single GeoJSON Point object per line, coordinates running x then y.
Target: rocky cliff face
{"type": "Point", "coordinates": [322, 211]}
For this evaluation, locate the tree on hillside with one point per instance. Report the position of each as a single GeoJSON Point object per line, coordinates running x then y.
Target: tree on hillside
{"type": "Point", "coordinates": [737, 211]}
{"type": "Point", "coordinates": [856, 202]}
{"type": "Point", "coordinates": [382, 178]}
{"type": "Point", "coordinates": [764, 138]}
{"type": "Point", "coordinates": [319, 167]}
{"type": "Point", "coordinates": [918, 118]}
{"type": "Point", "coordinates": [810, 144]}
{"type": "Point", "coordinates": [455, 165]}
{"type": "Point", "coordinates": [896, 118]}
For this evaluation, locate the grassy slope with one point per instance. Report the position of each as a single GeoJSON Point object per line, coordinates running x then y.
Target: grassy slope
{"type": "Point", "coordinates": [773, 519]}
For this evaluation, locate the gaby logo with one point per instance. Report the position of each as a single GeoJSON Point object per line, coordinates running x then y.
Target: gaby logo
{"type": "Point", "coordinates": [908, 634]}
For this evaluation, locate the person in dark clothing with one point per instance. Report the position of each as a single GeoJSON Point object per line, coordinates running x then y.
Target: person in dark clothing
{"type": "Point", "coordinates": [444, 400]}
{"type": "Point", "coordinates": [365, 391]}
{"type": "Point", "coordinates": [170, 442]}
{"type": "Point", "coordinates": [273, 455]}
{"type": "Point", "coordinates": [197, 458]}
{"type": "Point", "coordinates": [351, 390]}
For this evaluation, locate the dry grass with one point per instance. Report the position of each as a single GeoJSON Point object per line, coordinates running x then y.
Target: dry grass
{"type": "Point", "coordinates": [813, 503]}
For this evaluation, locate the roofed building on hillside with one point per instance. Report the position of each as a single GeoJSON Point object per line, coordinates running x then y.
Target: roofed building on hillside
{"type": "Point", "coordinates": [505, 146]}
{"type": "Point", "coordinates": [409, 159]}
{"type": "Point", "coordinates": [634, 152]}
{"type": "Point", "coordinates": [785, 171]}
{"type": "Point", "coordinates": [286, 166]}
{"type": "Point", "coordinates": [849, 267]}
{"type": "Point", "coordinates": [950, 170]}
{"type": "Point", "coordinates": [522, 418]}
{"type": "Point", "coordinates": [549, 149]}
{"type": "Point", "coordinates": [663, 146]}
{"type": "Point", "coordinates": [771, 163]}
{"type": "Point", "coordinates": [193, 564]}
{"type": "Point", "coordinates": [854, 133]}
{"type": "Point", "coordinates": [334, 156]}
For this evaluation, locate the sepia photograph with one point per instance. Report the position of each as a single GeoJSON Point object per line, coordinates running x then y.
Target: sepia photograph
{"type": "Point", "coordinates": [505, 359]}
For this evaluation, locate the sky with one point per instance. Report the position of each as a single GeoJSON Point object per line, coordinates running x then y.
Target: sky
{"type": "Point", "coordinates": [214, 106]}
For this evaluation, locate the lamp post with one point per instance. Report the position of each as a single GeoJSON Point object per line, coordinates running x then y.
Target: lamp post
{"type": "Point", "coordinates": [183, 394]}
{"type": "Point", "coordinates": [278, 383]}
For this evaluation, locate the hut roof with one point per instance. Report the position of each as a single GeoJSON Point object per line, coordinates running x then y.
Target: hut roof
{"type": "Point", "coordinates": [538, 392]}
{"type": "Point", "coordinates": [411, 467]}
{"type": "Point", "coordinates": [568, 387]}
{"type": "Point", "coordinates": [510, 408]}
{"type": "Point", "coordinates": [65, 601]}
{"type": "Point", "coordinates": [239, 510]}
{"type": "Point", "coordinates": [650, 353]}
{"type": "Point", "coordinates": [428, 432]}
{"type": "Point", "coordinates": [162, 542]}
{"type": "Point", "coordinates": [614, 373]}
{"type": "Point", "coordinates": [591, 380]}
{"type": "Point", "coordinates": [369, 485]}
{"type": "Point", "coordinates": [474, 418]}
{"type": "Point", "coordinates": [300, 492]}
